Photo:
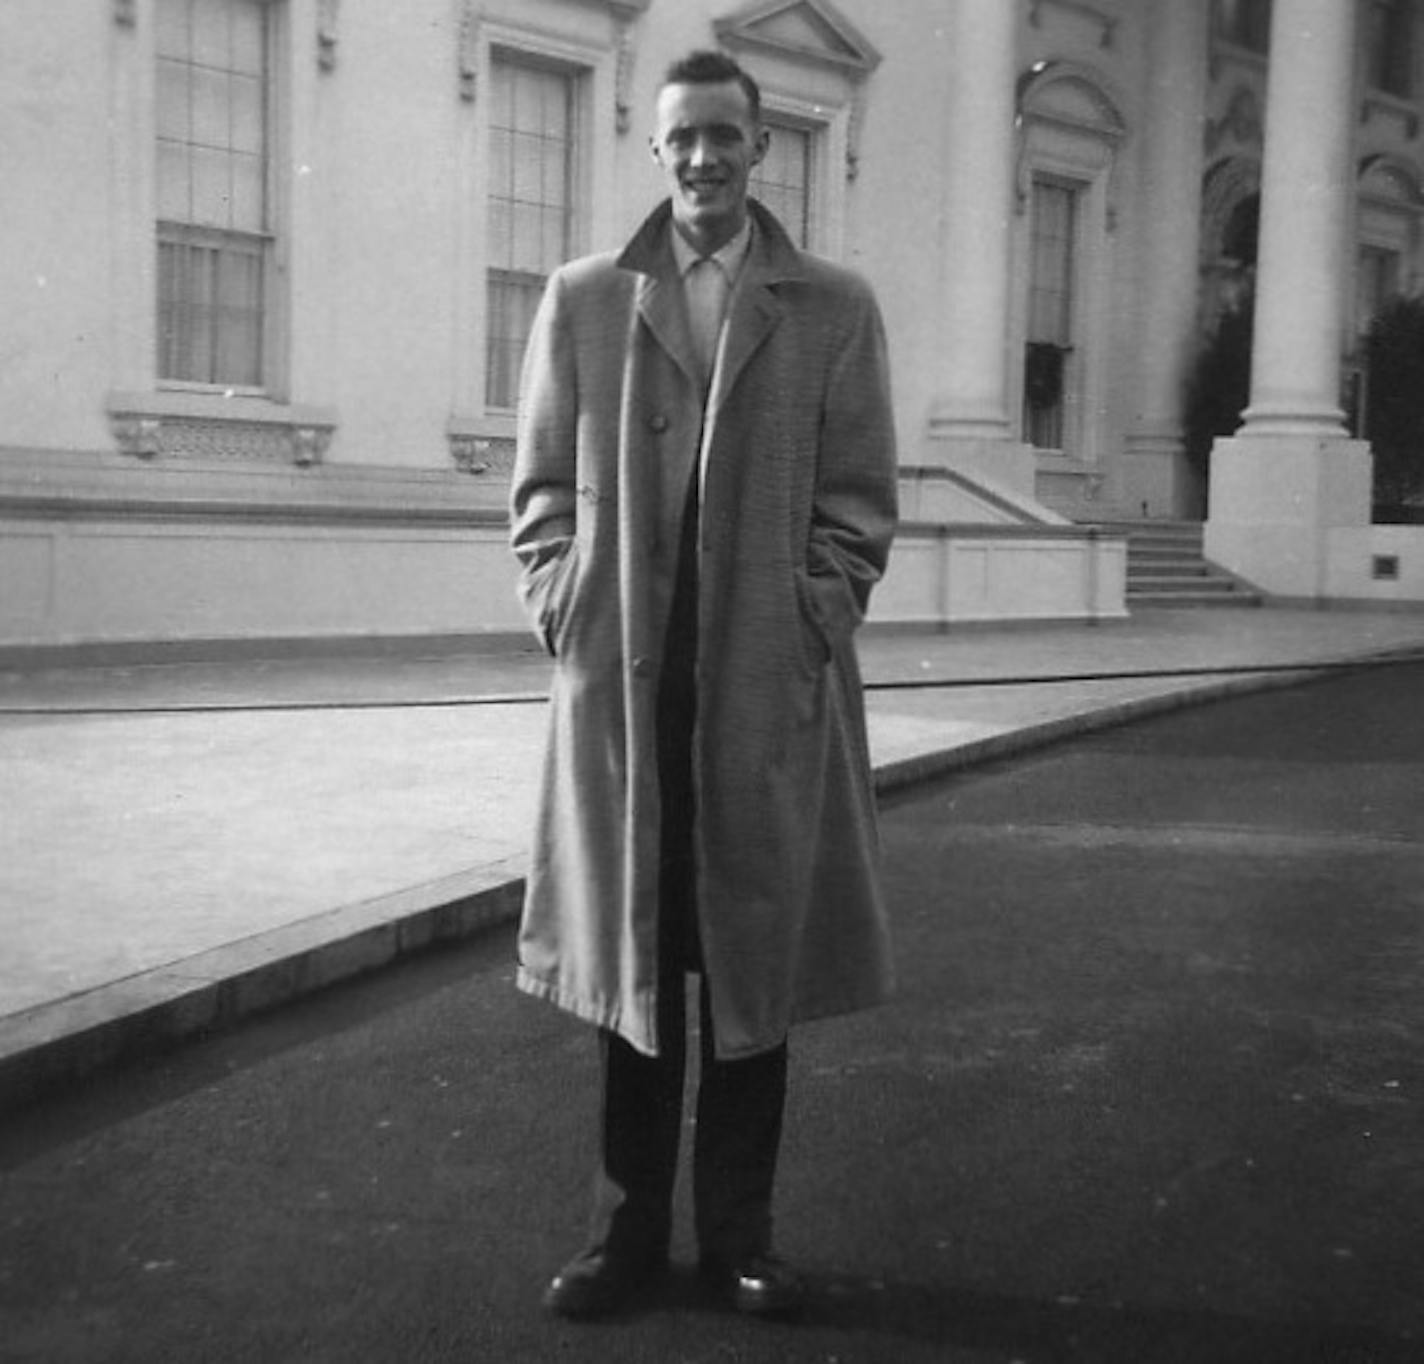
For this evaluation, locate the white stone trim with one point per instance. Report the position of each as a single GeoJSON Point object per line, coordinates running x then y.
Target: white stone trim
{"type": "Point", "coordinates": [182, 424]}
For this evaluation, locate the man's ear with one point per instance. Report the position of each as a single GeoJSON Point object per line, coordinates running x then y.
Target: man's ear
{"type": "Point", "coordinates": [655, 149]}
{"type": "Point", "coordinates": [759, 147]}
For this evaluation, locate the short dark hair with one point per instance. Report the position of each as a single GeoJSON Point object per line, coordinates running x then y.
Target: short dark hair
{"type": "Point", "coordinates": [707, 66]}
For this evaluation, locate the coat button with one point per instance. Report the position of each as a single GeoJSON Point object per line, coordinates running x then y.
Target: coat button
{"type": "Point", "coordinates": [642, 667]}
{"type": "Point", "coordinates": [658, 422]}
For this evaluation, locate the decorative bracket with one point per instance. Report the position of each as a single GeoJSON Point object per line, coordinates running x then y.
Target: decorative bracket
{"type": "Point", "coordinates": [136, 436]}
{"type": "Point", "coordinates": [470, 453]}
{"type": "Point", "coordinates": [467, 53]}
{"type": "Point", "coordinates": [328, 13]}
{"type": "Point", "coordinates": [624, 19]}
{"type": "Point", "coordinates": [309, 444]}
{"type": "Point", "coordinates": [853, 127]}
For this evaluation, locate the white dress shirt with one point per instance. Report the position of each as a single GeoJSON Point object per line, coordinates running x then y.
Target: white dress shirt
{"type": "Point", "coordinates": [707, 283]}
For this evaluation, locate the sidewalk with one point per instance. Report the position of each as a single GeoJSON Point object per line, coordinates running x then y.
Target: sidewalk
{"type": "Point", "coordinates": [182, 845]}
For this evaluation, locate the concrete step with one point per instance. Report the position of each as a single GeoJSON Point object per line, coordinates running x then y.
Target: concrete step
{"type": "Point", "coordinates": [1204, 582]}
{"type": "Point", "coordinates": [1193, 600]}
{"type": "Point", "coordinates": [1166, 567]}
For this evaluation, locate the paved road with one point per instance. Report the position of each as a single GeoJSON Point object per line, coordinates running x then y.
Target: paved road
{"type": "Point", "coordinates": [1152, 1091]}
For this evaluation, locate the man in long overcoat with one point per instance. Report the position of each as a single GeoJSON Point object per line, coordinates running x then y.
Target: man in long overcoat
{"type": "Point", "coordinates": [703, 497]}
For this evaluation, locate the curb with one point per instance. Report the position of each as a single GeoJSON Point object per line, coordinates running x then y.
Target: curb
{"type": "Point", "coordinates": [51, 1045]}
{"type": "Point", "coordinates": [59, 1043]}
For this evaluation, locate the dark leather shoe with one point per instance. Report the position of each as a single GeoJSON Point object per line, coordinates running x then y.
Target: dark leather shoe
{"type": "Point", "coordinates": [759, 1286]}
{"type": "Point", "coordinates": [598, 1284]}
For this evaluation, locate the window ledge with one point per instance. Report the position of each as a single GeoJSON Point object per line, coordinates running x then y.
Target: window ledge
{"type": "Point", "coordinates": [236, 427]}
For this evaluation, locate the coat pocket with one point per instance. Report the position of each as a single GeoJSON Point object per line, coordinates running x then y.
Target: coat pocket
{"type": "Point", "coordinates": [552, 591]}
{"type": "Point", "coordinates": [815, 643]}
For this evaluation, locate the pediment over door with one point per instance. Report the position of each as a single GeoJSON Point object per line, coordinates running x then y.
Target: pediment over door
{"type": "Point", "coordinates": [810, 30]}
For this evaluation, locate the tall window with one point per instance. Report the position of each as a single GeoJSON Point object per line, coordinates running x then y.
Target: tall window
{"type": "Point", "coordinates": [1244, 23]}
{"type": "Point", "coordinates": [1389, 47]}
{"type": "Point", "coordinates": [784, 181]}
{"type": "Point", "coordinates": [1049, 351]}
{"type": "Point", "coordinates": [214, 222]}
{"type": "Point", "coordinates": [533, 129]}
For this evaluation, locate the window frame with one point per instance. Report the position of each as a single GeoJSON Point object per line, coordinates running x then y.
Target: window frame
{"type": "Point", "coordinates": [1071, 131]}
{"type": "Point", "coordinates": [475, 429]}
{"type": "Point", "coordinates": [1069, 350]}
{"type": "Point", "coordinates": [828, 126]}
{"type": "Point", "coordinates": [576, 192]}
{"type": "Point", "coordinates": [273, 301]}
{"type": "Point", "coordinates": [780, 125]}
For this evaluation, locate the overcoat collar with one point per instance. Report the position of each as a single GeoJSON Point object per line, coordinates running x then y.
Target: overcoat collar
{"type": "Point", "coordinates": [755, 308]}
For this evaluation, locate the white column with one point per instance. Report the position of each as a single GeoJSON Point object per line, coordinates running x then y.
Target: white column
{"type": "Point", "coordinates": [1290, 492]}
{"type": "Point", "coordinates": [1305, 200]}
{"type": "Point", "coordinates": [969, 427]}
{"type": "Point", "coordinates": [1155, 479]}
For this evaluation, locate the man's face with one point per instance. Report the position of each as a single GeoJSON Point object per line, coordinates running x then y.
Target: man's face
{"type": "Point", "coordinates": [707, 143]}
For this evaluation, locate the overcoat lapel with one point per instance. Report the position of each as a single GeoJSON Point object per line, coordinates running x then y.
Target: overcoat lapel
{"type": "Point", "coordinates": [661, 307]}
{"type": "Point", "coordinates": [752, 316]}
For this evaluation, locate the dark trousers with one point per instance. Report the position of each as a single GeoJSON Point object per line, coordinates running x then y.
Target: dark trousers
{"type": "Point", "coordinates": [739, 1103]}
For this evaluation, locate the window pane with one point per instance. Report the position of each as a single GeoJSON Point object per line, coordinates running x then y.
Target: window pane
{"type": "Point", "coordinates": [175, 189]}
{"type": "Point", "coordinates": [248, 53]}
{"type": "Point", "coordinates": [246, 124]}
{"type": "Point", "coordinates": [247, 194]}
{"type": "Point", "coordinates": [529, 253]}
{"type": "Point", "coordinates": [513, 301]}
{"type": "Point", "coordinates": [212, 188]}
{"type": "Point", "coordinates": [501, 164]}
{"type": "Point", "coordinates": [212, 103]}
{"type": "Point", "coordinates": [171, 35]}
{"type": "Point", "coordinates": [501, 238]}
{"type": "Point", "coordinates": [211, 30]}
{"type": "Point", "coordinates": [174, 101]}
{"type": "Point", "coordinates": [1051, 281]}
{"type": "Point", "coordinates": [528, 169]}
{"type": "Point", "coordinates": [238, 307]}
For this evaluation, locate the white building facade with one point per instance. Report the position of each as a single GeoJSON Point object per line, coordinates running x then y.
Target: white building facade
{"type": "Point", "coordinates": [267, 267]}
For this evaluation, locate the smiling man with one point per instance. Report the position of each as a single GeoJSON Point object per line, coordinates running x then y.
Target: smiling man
{"type": "Point", "coordinates": [709, 137]}
{"type": "Point", "coordinates": [703, 498]}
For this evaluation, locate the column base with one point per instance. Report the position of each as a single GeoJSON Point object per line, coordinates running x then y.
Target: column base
{"type": "Point", "coordinates": [1273, 500]}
